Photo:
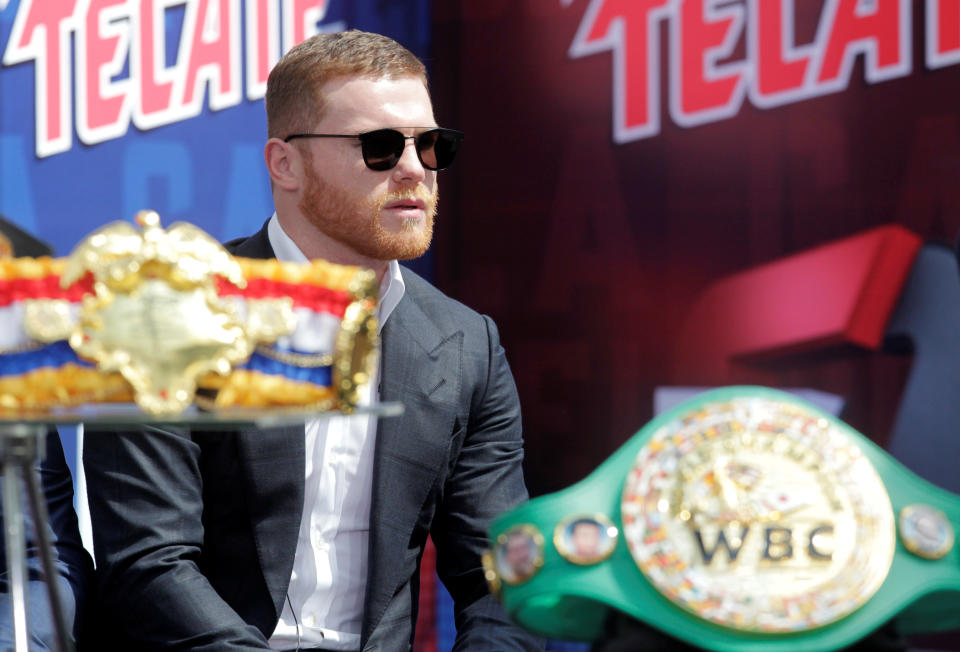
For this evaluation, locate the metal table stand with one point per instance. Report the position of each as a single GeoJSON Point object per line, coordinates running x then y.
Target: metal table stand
{"type": "Point", "coordinates": [21, 446]}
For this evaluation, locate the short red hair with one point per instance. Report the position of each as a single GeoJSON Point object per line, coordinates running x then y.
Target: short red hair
{"type": "Point", "coordinates": [294, 100]}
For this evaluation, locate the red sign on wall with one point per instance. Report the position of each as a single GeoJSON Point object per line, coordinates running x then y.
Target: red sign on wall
{"type": "Point", "coordinates": [707, 82]}
{"type": "Point", "coordinates": [114, 53]}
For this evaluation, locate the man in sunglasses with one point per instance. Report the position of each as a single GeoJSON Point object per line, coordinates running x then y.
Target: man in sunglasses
{"type": "Point", "coordinates": [311, 537]}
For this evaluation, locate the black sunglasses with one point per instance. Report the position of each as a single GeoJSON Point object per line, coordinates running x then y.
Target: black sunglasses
{"type": "Point", "coordinates": [382, 149]}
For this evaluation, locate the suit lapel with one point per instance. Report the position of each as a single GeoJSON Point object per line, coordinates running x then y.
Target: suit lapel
{"type": "Point", "coordinates": [256, 246]}
{"type": "Point", "coordinates": [274, 464]}
{"type": "Point", "coordinates": [273, 460]}
{"type": "Point", "coordinates": [420, 369]}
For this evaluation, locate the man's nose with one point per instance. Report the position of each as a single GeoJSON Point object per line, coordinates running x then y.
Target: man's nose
{"type": "Point", "coordinates": [409, 167]}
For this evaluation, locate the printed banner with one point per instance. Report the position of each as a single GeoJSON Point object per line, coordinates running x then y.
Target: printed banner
{"type": "Point", "coordinates": [108, 107]}
{"type": "Point", "coordinates": [721, 54]}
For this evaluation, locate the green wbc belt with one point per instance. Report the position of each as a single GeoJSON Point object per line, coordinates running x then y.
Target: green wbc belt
{"type": "Point", "coordinates": [744, 519]}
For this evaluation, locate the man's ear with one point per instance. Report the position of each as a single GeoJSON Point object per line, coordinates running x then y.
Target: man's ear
{"type": "Point", "coordinates": [283, 164]}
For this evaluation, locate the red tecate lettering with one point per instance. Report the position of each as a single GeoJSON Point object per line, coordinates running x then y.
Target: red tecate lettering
{"type": "Point", "coordinates": [148, 55]}
{"type": "Point", "coordinates": [779, 68]}
{"type": "Point", "coordinates": [41, 33]}
{"type": "Point", "coordinates": [942, 33]}
{"type": "Point", "coordinates": [211, 47]}
{"type": "Point", "coordinates": [103, 105]}
{"type": "Point", "coordinates": [701, 89]}
{"type": "Point", "coordinates": [263, 44]}
{"type": "Point", "coordinates": [300, 18]}
{"type": "Point", "coordinates": [879, 28]}
{"type": "Point", "coordinates": [630, 29]}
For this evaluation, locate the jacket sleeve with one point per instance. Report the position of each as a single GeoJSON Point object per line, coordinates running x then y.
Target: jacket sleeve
{"type": "Point", "coordinates": [486, 479]}
{"type": "Point", "coordinates": [146, 501]}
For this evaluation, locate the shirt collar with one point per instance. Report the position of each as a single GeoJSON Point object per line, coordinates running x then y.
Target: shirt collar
{"type": "Point", "coordinates": [392, 286]}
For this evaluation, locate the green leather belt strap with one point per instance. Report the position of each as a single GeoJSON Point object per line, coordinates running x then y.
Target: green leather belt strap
{"type": "Point", "coordinates": [743, 519]}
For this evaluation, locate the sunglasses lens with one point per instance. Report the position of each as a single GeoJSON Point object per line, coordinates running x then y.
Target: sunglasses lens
{"type": "Point", "coordinates": [382, 148]}
{"type": "Point", "coordinates": [438, 147]}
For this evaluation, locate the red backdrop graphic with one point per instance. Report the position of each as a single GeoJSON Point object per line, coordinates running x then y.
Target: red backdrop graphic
{"type": "Point", "coordinates": [589, 253]}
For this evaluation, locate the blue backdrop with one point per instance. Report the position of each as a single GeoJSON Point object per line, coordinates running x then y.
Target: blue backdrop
{"type": "Point", "coordinates": [206, 169]}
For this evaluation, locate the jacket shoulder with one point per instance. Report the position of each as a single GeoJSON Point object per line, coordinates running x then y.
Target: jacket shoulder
{"type": "Point", "coordinates": [448, 314]}
{"type": "Point", "coordinates": [253, 246]}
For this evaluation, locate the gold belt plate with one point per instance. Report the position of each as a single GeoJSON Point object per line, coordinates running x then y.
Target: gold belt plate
{"type": "Point", "coordinates": [758, 515]}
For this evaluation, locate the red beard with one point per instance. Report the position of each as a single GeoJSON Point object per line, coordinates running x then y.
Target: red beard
{"type": "Point", "coordinates": [358, 223]}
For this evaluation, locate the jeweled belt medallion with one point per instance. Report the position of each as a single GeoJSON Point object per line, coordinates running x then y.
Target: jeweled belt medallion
{"type": "Point", "coordinates": [925, 531]}
{"type": "Point", "coordinates": [758, 515]}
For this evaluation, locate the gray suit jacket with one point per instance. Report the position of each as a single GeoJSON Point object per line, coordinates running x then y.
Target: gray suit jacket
{"type": "Point", "coordinates": [195, 532]}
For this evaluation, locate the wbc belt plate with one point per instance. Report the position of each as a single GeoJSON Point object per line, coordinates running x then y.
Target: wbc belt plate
{"type": "Point", "coordinates": [744, 519]}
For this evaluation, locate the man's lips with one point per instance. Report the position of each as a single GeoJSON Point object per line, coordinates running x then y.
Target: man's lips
{"type": "Point", "coordinates": [406, 204]}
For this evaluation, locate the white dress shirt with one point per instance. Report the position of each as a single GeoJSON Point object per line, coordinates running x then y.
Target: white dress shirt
{"type": "Point", "coordinates": [324, 604]}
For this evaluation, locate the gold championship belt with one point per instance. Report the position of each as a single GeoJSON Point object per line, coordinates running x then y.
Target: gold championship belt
{"type": "Point", "coordinates": [744, 519]}
{"type": "Point", "coordinates": [169, 318]}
